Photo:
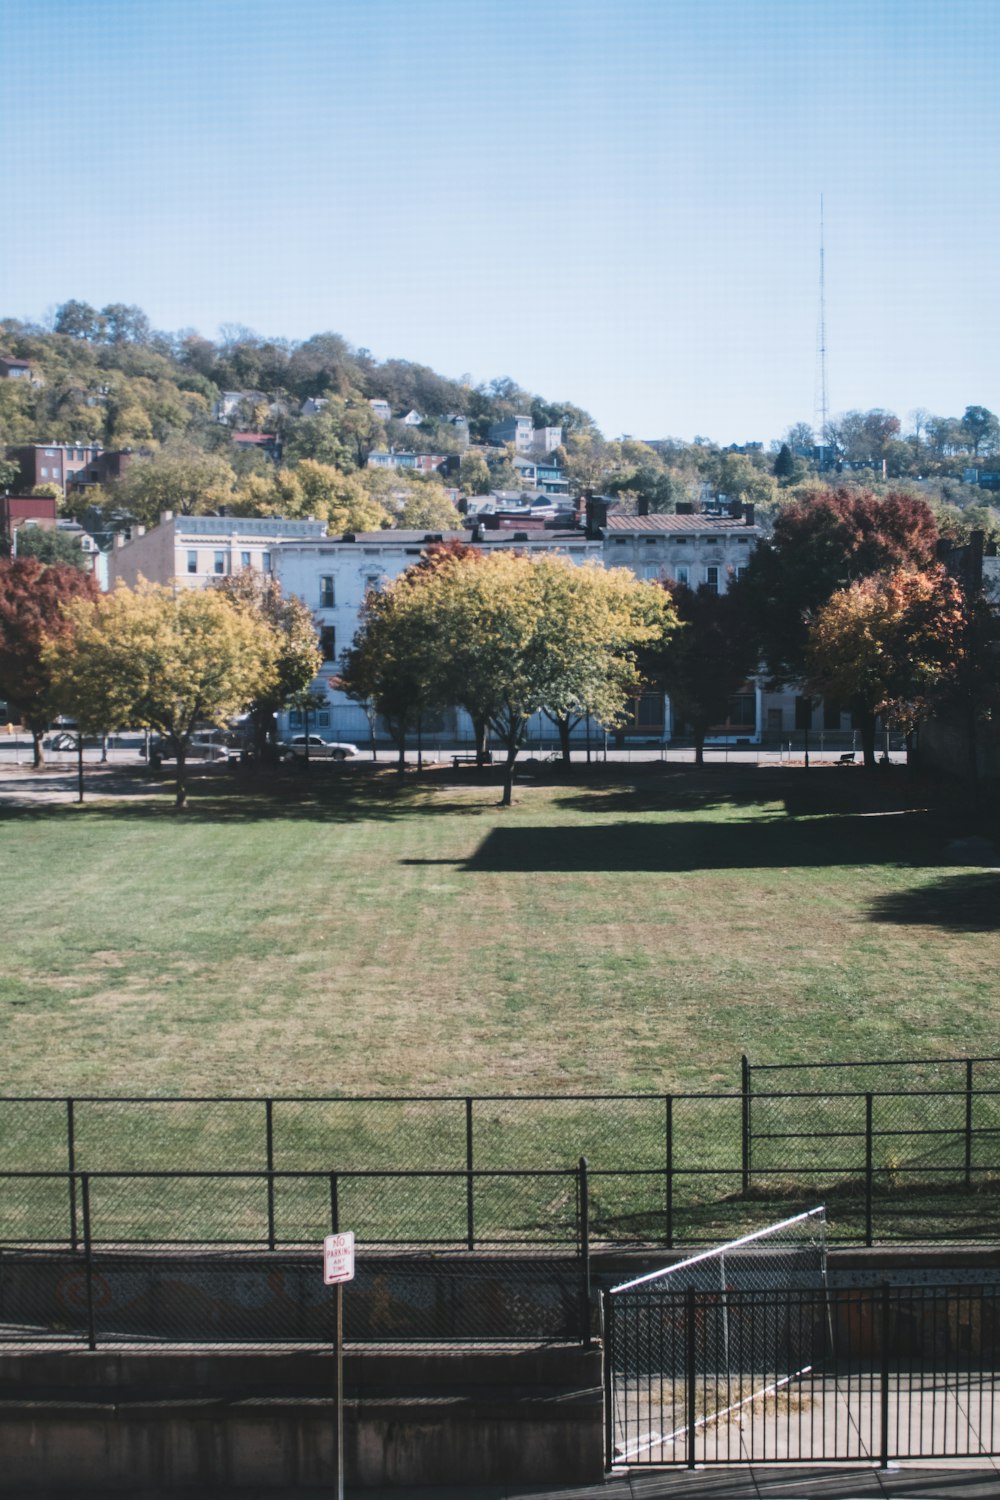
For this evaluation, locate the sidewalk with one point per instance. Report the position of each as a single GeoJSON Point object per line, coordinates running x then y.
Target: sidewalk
{"type": "Point", "coordinates": [977, 1480]}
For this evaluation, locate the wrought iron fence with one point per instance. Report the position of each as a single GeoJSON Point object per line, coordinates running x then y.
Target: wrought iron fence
{"type": "Point", "coordinates": [802, 1375]}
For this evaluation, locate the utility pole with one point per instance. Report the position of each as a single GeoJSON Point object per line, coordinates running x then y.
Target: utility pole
{"type": "Point", "coordinates": [823, 404]}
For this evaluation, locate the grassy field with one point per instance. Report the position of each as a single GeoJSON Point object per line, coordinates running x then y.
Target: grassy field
{"type": "Point", "coordinates": [349, 935]}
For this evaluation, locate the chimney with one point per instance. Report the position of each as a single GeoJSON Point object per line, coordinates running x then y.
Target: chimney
{"type": "Point", "coordinates": [684, 508]}
{"type": "Point", "coordinates": [642, 508]}
{"type": "Point", "coordinates": [735, 509]}
{"type": "Point", "coordinates": [597, 516]}
{"type": "Point", "coordinates": [140, 531]}
{"type": "Point", "coordinates": [119, 539]}
{"type": "Point", "coordinates": [476, 534]}
{"type": "Point", "coordinates": [165, 516]}
{"type": "Point", "coordinates": [748, 513]}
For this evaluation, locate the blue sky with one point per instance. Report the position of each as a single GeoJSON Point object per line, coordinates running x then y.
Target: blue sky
{"type": "Point", "coordinates": [616, 204]}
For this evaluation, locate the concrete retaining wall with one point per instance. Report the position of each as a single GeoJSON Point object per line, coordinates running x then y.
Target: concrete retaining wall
{"type": "Point", "coordinates": [125, 1421]}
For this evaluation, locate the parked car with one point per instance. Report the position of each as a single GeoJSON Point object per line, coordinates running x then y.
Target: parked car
{"type": "Point", "coordinates": [196, 750]}
{"type": "Point", "coordinates": [319, 749]}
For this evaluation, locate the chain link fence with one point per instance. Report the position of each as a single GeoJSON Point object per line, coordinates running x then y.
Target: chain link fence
{"type": "Point", "coordinates": [912, 1156]}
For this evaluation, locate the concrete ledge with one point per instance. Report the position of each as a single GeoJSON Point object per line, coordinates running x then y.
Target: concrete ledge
{"type": "Point", "coordinates": [179, 1421]}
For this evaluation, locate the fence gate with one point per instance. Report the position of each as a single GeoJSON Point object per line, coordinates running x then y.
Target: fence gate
{"type": "Point", "coordinates": [798, 1375]}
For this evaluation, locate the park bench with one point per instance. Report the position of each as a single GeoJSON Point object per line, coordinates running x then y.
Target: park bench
{"type": "Point", "coordinates": [847, 759]}
{"type": "Point", "coordinates": [471, 760]}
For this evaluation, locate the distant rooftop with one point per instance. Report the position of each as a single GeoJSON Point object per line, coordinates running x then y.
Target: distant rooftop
{"type": "Point", "coordinates": [618, 522]}
{"type": "Point", "coordinates": [247, 526]}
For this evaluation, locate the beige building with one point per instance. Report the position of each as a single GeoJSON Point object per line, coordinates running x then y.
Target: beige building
{"type": "Point", "coordinates": [191, 551]}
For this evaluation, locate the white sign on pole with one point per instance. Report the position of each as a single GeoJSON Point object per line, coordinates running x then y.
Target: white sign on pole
{"type": "Point", "coordinates": [338, 1258]}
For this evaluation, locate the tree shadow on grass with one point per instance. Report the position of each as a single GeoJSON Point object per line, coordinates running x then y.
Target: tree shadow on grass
{"type": "Point", "coordinates": [664, 848]}
{"type": "Point", "coordinates": [216, 796]}
{"type": "Point", "coordinates": [959, 903]}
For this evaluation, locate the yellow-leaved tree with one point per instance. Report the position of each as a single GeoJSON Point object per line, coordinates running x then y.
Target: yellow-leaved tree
{"type": "Point", "coordinates": [505, 636]}
{"type": "Point", "coordinates": [144, 658]}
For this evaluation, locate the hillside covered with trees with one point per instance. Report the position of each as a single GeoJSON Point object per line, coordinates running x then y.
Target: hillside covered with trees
{"type": "Point", "coordinates": [176, 402]}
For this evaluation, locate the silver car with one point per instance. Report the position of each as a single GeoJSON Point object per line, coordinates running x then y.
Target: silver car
{"type": "Point", "coordinates": [319, 749]}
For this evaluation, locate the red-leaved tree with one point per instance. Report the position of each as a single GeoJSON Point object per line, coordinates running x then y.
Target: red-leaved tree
{"type": "Point", "coordinates": [31, 600]}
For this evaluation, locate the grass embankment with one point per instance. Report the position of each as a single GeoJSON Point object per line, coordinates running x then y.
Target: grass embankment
{"type": "Point", "coordinates": [346, 935]}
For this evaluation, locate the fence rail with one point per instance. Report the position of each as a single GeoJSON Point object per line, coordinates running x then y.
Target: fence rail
{"type": "Point", "coordinates": [799, 1375]}
{"type": "Point", "coordinates": [904, 1163]}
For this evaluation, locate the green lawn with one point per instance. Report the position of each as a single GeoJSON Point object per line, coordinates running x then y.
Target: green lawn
{"type": "Point", "coordinates": [347, 935]}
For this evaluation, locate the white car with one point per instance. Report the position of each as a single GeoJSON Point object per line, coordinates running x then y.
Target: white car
{"type": "Point", "coordinates": [319, 749]}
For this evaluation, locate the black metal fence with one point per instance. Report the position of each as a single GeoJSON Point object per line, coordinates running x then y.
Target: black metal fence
{"type": "Point", "coordinates": [802, 1375]}
{"type": "Point", "coordinates": [917, 1161]}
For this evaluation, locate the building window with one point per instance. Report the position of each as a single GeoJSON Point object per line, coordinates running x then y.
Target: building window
{"type": "Point", "coordinates": [44, 471]}
{"type": "Point", "coordinates": [295, 719]}
{"type": "Point", "coordinates": [743, 711]}
{"type": "Point", "coordinates": [326, 592]}
{"type": "Point", "coordinates": [712, 579]}
{"type": "Point", "coordinates": [50, 453]}
{"type": "Point", "coordinates": [244, 560]}
{"type": "Point", "coordinates": [219, 564]}
{"type": "Point", "coordinates": [323, 718]}
{"type": "Point", "coordinates": [192, 562]}
{"type": "Point", "coordinates": [682, 573]}
{"type": "Point", "coordinates": [265, 561]}
{"type": "Point", "coordinates": [328, 642]}
{"type": "Point", "coordinates": [373, 583]}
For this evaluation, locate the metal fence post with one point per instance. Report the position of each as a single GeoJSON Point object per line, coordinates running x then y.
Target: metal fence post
{"type": "Point", "coordinates": [607, 1305]}
{"type": "Point", "coordinates": [869, 1169]}
{"type": "Point", "coordinates": [745, 1154]}
{"type": "Point", "coordinates": [269, 1145]}
{"type": "Point", "coordinates": [88, 1269]}
{"type": "Point", "coordinates": [884, 1380]}
{"type": "Point", "coordinates": [470, 1223]}
{"type": "Point", "coordinates": [334, 1205]}
{"type": "Point", "coordinates": [690, 1364]}
{"type": "Point", "coordinates": [585, 1252]}
{"type": "Point", "coordinates": [968, 1121]}
{"type": "Point", "coordinates": [71, 1163]}
{"type": "Point", "coordinates": [670, 1171]}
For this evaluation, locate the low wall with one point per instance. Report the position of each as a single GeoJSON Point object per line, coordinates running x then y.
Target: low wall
{"type": "Point", "coordinates": [173, 1421]}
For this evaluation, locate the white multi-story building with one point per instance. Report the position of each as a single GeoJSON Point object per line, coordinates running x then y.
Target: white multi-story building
{"type": "Point", "coordinates": [332, 576]}
{"type": "Point", "coordinates": [185, 552]}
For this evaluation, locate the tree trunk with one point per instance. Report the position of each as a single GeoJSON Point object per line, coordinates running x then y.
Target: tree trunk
{"type": "Point", "coordinates": [38, 757]}
{"type": "Point", "coordinates": [563, 726]}
{"type": "Point", "coordinates": [866, 721]}
{"type": "Point", "coordinates": [180, 801]}
{"type": "Point", "coordinates": [481, 730]}
{"type": "Point", "coordinates": [401, 758]}
{"type": "Point", "coordinates": [699, 748]}
{"type": "Point", "coordinates": [508, 777]}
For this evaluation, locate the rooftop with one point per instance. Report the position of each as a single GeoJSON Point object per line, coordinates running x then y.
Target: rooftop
{"type": "Point", "coordinates": [686, 524]}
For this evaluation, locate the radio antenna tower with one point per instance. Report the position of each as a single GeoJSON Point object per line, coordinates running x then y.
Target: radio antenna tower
{"type": "Point", "coordinates": [822, 404]}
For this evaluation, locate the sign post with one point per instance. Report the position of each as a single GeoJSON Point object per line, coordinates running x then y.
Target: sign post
{"type": "Point", "coordinates": [338, 1267]}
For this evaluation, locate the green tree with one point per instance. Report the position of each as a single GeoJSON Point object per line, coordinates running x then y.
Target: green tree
{"type": "Point", "coordinates": [473, 475]}
{"type": "Point", "coordinates": [511, 636]}
{"type": "Point", "coordinates": [147, 658]}
{"type": "Point", "coordinates": [297, 657]}
{"type": "Point", "coordinates": [983, 429]}
{"type": "Point", "coordinates": [34, 600]}
{"type": "Point", "coordinates": [707, 660]}
{"type": "Point", "coordinates": [50, 545]}
{"type": "Point", "coordinates": [392, 667]}
{"type": "Point", "coordinates": [179, 477]}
